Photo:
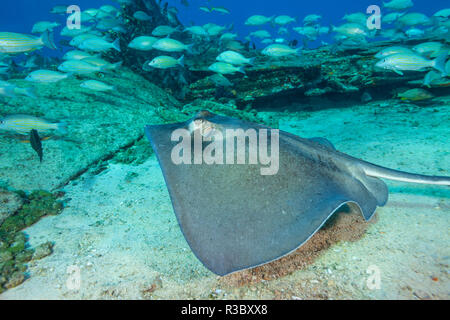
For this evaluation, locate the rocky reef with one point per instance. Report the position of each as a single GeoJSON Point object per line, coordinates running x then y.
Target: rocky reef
{"type": "Point", "coordinates": [20, 211]}
{"type": "Point", "coordinates": [325, 73]}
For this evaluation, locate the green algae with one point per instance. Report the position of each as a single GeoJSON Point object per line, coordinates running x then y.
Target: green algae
{"type": "Point", "coordinates": [39, 204]}
{"type": "Point", "coordinates": [14, 249]}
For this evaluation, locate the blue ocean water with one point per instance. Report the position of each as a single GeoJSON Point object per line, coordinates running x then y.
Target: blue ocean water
{"type": "Point", "coordinates": [20, 15]}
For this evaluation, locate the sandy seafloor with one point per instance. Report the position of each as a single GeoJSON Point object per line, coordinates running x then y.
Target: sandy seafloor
{"type": "Point", "coordinates": [119, 228]}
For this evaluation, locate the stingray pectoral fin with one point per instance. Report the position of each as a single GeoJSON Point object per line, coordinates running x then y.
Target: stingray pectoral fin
{"type": "Point", "coordinates": [324, 142]}
{"type": "Point", "coordinates": [235, 218]}
{"type": "Point", "coordinates": [377, 188]}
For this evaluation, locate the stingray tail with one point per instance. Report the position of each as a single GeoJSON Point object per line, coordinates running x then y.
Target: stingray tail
{"type": "Point", "coordinates": [373, 170]}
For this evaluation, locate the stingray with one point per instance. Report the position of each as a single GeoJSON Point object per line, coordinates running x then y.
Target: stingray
{"type": "Point", "coordinates": [235, 213]}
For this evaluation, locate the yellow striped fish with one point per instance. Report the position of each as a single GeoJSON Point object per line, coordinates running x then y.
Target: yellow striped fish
{"type": "Point", "coordinates": [23, 124]}
{"type": "Point", "coordinates": [411, 62]}
{"type": "Point", "coordinates": [96, 61]}
{"type": "Point", "coordinates": [78, 67]}
{"type": "Point", "coordinates": [46, 76]}
{"type": "Point", "coordinates": [13, 43]}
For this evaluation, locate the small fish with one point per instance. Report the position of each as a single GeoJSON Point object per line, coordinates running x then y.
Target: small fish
{"type": "Point", "coordinates": [234, 58]}
{"type": "Point", "coordinates": [171, 45]}
{"type": "Point", "coordinates": [221, 10]}
{"type": "Point", "coordinates": [99, 45]}
{"type": "Point", "coordinates": [46, 76]}
{"type": "Point", "coordinates": [431, 49]}
{"type": "Point", "coordinates": [164, 31]}
{"type": "Point", "coordinates": [205, 9]}
{"type": "Point", "coordinates": [234, 45]}
{"type": "Point", "coordinates": [431, 78]}
{"type": "Point", "coordinates": [13, 43]}
{"type": "Point", "coordinates": [413, 19]}
{"type": "Point", "coordinates": [36, 143]}
{"type": "Point", "coordinates": [258, 20]}
{"type": "Point", "coordinates": [103, 64]}
{"type": "Point", "coordinates": [59, 10]}
{"type": "Point", "coordinates": [393, 50]}
{"type": "Point", "coordinates": [125, 2]}
{"type": "Point", "coordinates": [7, 90]}
{"type": "Point", "coordinates": [411, 62]}
{"type": "Point", "coordinates": [309, 32]}
{"type": "Point", "coordinates": [108, 23]}
{"type": "Point", "coordinates": [141, 16]}
{"type": "Point", "coordinates": [220, 80]}
{"type": "Point", "coordinates": [42, 26]}
{"type": "Point", "coordinates": [77, 40]}
{"type": "Point", "coordinates": [165, 62]}
{"type": "Point", "coordinates": [414, 32]}
{"type": "Point", "coordinates": [143, 43]}
{"type": "Point", "coordinates": [92, 12]}
{"type": "Point", "coordinates": [10, 90]}
{"type": "Point", "coordinates": [103, 14]}
{"type": "Point", "coordinates": [79, 67]}
{"type": "Point", "coordinates": [311, 19]}
{"type": "Point", "coordinates": [109, 9]}
{"type": "Point", "coordinates": [284, 20]}
{"type": "Point", "coordinates": [280, 50]}
{"type": "Point", "coordinates": [350, 29]}
{"type": "Point", "coordinates": [415, 95]}
{"type": "Point", "coordinates": [214, 29]}
{"type": "Point", "coordinates": [96, 86]}
{"type": "Point", "coordinates": [398, 4]}
{"type": "Point", "coordinates": [267, 41]}
{"type": "Point", "coordinates": [23, 124]}
{"type": "Point", "coordinates": [366, 97]}
{"type": "Point", "coordinates": [197, 30]}
{"type": "Point", "coordinates": [30, 63]}
{"type": "Point", "coordinates": [262, 34]}
{"type": "Point", "coordinates": [391, 17]}
{"type": "Point", "coordinates": [357, 17]}
{"type": "Point", "coordinates": [225, 68]}
{"type": "Point", "coordinates": [66, 32]}
{"type": "Point", "coordinates": [228, 36]}
{"type": "Point", "coordinates": [76, 55]}
{"type": "Point", "coordinates": [444, 13]}
{"type": "Point", "coordinates": [27, 92]}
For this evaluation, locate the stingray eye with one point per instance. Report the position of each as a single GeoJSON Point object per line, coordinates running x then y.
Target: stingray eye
{"type": "Point", "coordinates": [204, 127]}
